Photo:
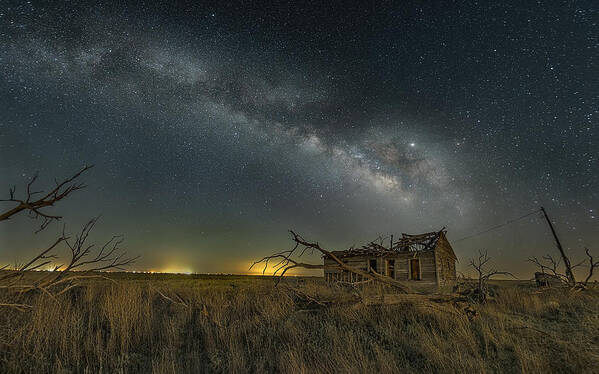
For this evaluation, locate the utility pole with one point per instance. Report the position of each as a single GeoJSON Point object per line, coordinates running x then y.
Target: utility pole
{"type": "Point", "coordinates": [569, 273]}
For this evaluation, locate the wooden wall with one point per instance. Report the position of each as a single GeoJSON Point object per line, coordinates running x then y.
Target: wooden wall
{"type": "Point", "coordinates": [445, 261]}
{"type": "Point", "coordinates": [333, 273]}
{"type": "Point", "coordinates": [426, 260]}
{"type": "Point", "coordinates": [436, 266]}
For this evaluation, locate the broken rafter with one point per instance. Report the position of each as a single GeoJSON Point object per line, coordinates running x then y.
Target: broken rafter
{"type": "Point", "coordinates": [408, 243]}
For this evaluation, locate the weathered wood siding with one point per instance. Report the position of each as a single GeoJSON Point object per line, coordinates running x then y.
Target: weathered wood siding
{"type": "Point", "coordinates": [426, 262]}
{"type": "Point", "coordinates": [332, 272]}
{"type": "Point", "coordinates": [402, 266]}
{"type": "Point", "coordinates": [445, 261]}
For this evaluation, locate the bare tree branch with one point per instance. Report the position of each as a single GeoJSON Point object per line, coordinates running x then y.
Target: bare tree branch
{"type": "Point", "coordinates": [484, 275]}
{"type": "Point", "coordinates": [36, 262]}
{"type": "Point", "coordinates": [82, 256]}
{"type": "Point", "coordinates": [552, 267]}
{"type": "Point", "coordinates": [592, 266]}
{"type": "Point", "coordinates": [84, 259]}
{"type": "Point", "coordinates": [83, 264]}
{"type": "Point", "coordinates": [36, 206]}
{"type": "Point", "coordinates": [286, 262]}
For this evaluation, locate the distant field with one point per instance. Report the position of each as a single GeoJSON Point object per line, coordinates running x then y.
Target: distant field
{"type": "Point", "coordinates": [164, 323]}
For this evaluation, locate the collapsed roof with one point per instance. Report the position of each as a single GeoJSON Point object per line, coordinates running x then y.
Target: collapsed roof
{"type": "Point", "coordinates": [407, 243]}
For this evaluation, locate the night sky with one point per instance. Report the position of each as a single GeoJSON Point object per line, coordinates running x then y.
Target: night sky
{"type": "Point", "coordinates": [215, 129]}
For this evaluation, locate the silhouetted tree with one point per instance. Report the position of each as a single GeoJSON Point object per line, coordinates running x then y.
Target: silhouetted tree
{"type": "Point", "coordinates": [484, 274]}
{"type": "Point", "coordinates": [84, 258]}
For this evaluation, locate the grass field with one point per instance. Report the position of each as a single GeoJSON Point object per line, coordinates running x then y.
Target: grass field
{"type": "Point", "coordinates": [138, 323]}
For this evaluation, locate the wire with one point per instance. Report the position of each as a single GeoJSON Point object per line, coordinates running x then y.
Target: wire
{"type": "Point", "coordinates": [497, 227]}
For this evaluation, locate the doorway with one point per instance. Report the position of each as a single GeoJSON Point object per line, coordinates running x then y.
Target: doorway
{"type": "Point", "coordinates": [414, 269]}
{"type": "Point", "coordinates": [391, 268]}
{"type": "Point", "coordinates": [372, 265]}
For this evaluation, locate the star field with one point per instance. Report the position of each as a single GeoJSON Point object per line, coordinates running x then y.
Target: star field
{"type": "Point", "coordinates": [214, 129]}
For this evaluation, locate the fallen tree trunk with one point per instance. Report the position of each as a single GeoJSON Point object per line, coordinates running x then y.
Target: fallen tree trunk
{"type": "Point", "coordinates": [286, 263]}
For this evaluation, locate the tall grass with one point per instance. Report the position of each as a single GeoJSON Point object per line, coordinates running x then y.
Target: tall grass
{"type": "Point", "coordinates": [238, 327]}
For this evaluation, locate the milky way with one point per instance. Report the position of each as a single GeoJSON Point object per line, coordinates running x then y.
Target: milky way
{"type": "Point", "coordinates": [213, 130]}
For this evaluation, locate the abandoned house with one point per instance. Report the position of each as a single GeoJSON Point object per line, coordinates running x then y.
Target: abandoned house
{"type": "Point", "coordinates": [427, 258]}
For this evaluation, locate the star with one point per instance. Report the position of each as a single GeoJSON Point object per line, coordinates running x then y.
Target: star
{"type": "Point", "coordinates": [344, 129]}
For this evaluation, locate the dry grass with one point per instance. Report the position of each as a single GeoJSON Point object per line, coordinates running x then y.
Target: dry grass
{"type": "Point", "coordinates": [244, 324]}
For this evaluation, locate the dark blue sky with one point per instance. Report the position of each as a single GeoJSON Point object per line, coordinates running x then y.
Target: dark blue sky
{"type": "Point", "coordinates": [214, 129]}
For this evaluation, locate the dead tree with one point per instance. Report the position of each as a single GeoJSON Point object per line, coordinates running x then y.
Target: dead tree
{"type": "Point", "coordinates": [592, 266]}
{"type": "Point", "coordinates": [286, 262]}
{"type": "Point", "coordinates": [35, 202]}
{"type": "Point", "coordinates": [83, 261]}
{"type": "Point", "coordinates": [484, 274]}
{"type": "Point", "coordinates": [548, 265]}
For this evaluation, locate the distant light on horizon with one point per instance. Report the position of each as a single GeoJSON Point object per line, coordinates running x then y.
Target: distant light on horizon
{"type": "Point", "coordinates": [208, 150]}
